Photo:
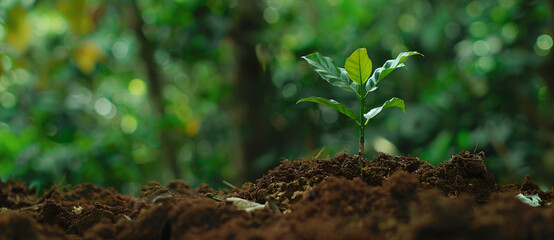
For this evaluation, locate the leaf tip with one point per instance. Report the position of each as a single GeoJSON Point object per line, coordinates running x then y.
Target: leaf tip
{"type": "Point", "coordinates": [418, 53]}
{"type": "Point", "coordinates": [305, 57]}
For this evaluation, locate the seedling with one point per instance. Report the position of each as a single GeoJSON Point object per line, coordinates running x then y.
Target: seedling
{"type": "Point", "coordinates": [356, 77]}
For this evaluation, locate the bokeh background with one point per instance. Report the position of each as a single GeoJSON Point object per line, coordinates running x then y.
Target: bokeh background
{"type": "Point", "coordinates": [124, 92]}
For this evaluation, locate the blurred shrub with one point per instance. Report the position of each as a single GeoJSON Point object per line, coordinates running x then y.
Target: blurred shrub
{"type": "Point", "coordinates": [77, 98]}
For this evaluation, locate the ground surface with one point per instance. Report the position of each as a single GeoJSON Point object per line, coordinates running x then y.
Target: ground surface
{"type": "Point", "coordinates": [388, 198]}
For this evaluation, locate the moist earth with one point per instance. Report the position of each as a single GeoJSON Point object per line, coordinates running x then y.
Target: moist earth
{"type": "Point", "coordinates": [340, 198]}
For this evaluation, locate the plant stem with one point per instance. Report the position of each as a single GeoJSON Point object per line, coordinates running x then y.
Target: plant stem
{"type": "Point", "coordinates": [361, 147]}
{"type": "Point", "coordinates": [362, 138]}
{"type": "Point", "coordinates": [362, 124]}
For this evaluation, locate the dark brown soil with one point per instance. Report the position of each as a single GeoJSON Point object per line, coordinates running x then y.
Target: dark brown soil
{"type": "Point", "coordinates": [340, 198]}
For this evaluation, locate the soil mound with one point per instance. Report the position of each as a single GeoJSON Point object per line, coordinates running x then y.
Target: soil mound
{"type": "Point", "coordinates": [340, 198]}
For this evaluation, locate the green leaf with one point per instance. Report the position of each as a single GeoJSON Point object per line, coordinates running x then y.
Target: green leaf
{"type": "Point", "coordinates": [393, 102]}
{"type": "Point", "coordinates": [327, 69]}
{"type": "Point", "coordinates": [332, 104]}
{"type": "Point", "coordinates": [358, 66]}
{"type": "Point", "coordinates": [387, 68]}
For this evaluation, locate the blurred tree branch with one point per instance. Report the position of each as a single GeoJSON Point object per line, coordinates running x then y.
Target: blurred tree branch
{"type": "Point", "coordinates": [167, 139]}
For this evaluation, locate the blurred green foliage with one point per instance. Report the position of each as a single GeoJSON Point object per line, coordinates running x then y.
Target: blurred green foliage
{"type": "Point", "coordinates": [113, 92]}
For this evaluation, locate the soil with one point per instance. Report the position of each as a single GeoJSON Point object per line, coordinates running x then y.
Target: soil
{"type": "Point", "coordinates": [340, 198]}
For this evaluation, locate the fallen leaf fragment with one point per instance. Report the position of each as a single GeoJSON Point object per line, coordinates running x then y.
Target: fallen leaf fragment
{"type": "Point", "coordinates": [243, 204]}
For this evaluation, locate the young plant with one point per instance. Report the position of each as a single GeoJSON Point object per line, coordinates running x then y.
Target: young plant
{"type": "Point", "coordinates": [356, 77]}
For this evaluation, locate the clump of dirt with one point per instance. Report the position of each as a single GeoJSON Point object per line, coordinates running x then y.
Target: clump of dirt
{"type": "Point", "coordinates": [14, 194]}
{"type": "Point", "coordinates": [86, 194]}
{"type": "Point", "coordinates": [464, 173]}
{"type": "Point", "coordinates": [385, 165]}
{"type": "Point", "coordinates": [287, 182]}
{"type": "Point", "coordinates": [16, 225]}
{"type": "Point", "coordinates": [340, 198]}
{"type": "Point", "coordinates": [77, 209]}
{"type": "Point", "coordinates": [503, 217]}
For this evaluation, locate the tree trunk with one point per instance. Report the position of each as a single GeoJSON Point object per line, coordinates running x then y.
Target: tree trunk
{"type": "Point", "coordinates": [251, 89]}
{"type": "Point", "coordinates": [167, 140]}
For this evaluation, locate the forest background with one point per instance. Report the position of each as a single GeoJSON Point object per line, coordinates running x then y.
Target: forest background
{"type": "Point", "coordinates": [119, 93]}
